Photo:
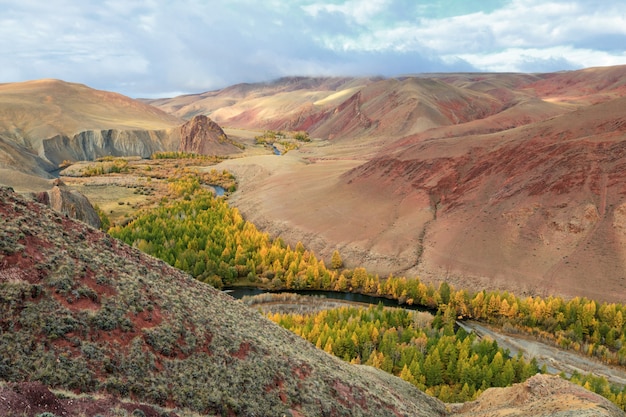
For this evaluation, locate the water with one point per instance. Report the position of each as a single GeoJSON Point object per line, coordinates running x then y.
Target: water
{"type": "Point", "coordinates": [219, 191]}
{"type": "Point", "coordinates": [240, 292]}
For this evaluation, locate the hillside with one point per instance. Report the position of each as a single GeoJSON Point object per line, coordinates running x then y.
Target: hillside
{"type": "Point", "coordinates": [45, 108]}
{"type": "Point", "coordinates": [45, 122]}
{"type": "Point", "coordinates": [540, 205]}
{"type": "Point", "coordinates": [496, 181]}
{"type": "Point", "coordinates": [84, 312]}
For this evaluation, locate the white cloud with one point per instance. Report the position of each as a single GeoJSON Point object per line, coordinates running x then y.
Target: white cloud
{"type": "Point", "coordinates": [355, 10]}
{"type": "Point", "coordinates": [141, 47]}
{"type": "Point", "coordinates": [541, 60]}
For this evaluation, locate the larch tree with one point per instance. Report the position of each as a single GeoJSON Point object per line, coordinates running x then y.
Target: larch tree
{"type": "Point", "coordinates": [335, 261]}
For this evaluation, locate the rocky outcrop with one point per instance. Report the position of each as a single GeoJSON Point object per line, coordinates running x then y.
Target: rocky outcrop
{"type": "Point", "coordinates": [539, 396]}
{"type": "Point", "coordinates": [69, 202]}
{"type": "Point", "coordinates": [92, 144]}
{"type": "Point", "coordinates": [203, 136]}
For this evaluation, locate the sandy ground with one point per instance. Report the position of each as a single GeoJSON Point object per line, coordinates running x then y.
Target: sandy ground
{"type": "Point", "coordinates": [23, 183]}
{"type": "Point", "coordinates": [300, 196]}
{"type": "Point", "coordinates": [556, 360]}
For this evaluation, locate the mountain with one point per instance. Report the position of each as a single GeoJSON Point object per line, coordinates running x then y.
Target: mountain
{"type": "Point", "coordinates": [46, 122]}
{"type": "Point", "coordinates": [49, 116]}
{"type": "Point", "coordinates": [340, 108]}
{"type": "Point", "coordinates": [498, 181]}
{"type": "Point", "coordinates": [201, 135]}
{"type": "Point", "coordinates": [84, 312]}
{"type": "Point", "coordinates": [539, 206]}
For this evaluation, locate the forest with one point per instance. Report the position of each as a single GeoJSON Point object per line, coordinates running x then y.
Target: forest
{"type": "Point", "coordinates": [199, 233]}
{"type": "Point", "coordinates": [453, 366]}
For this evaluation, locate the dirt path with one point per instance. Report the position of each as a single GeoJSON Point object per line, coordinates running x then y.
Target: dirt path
{"type": "Point", "coordinates": [555, 359]}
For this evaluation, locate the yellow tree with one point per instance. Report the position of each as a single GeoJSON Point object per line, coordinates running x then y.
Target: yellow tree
{"type": "Point", "coordinates": [335, 261]}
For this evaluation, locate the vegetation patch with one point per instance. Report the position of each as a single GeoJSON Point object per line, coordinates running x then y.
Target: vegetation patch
{"type": "Point", "coordinates": [212, 242]}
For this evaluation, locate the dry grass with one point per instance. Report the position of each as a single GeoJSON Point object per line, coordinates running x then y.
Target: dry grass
{"type": "Point", "coordinates": [153, 333]}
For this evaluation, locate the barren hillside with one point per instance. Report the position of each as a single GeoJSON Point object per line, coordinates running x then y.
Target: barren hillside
{"type": "Point", "coordinates": [44, 122]}
{"type": "Point", "coordinates": [500, 181]}
{"type": "Point", "coordinates": [537, 208]}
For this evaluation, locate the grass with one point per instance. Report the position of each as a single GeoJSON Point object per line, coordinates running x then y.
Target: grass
{"type": "Point", "coordinates": [151, 332]}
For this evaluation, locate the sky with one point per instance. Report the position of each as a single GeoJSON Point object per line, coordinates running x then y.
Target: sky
{"type": "Point", "coordinates": [164, 48]}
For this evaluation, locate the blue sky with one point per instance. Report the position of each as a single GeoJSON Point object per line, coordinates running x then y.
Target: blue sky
{"type": "Point", "coordinates": [161, 48]}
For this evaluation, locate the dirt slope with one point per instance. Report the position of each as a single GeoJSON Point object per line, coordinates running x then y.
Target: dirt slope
{"type": "Point", "coordinates": [535, 209]}
{"type": "Point", "coordinates": [539, 396]}
{"type": "Point", "coordinates": [35, 110]}
{"type": "Point", "coordinates": [44, 122]}
{"type": "Point", "coordinates": [522, 191]}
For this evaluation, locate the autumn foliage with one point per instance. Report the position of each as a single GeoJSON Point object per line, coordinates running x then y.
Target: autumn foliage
{"type": "Point", "coordinates": [200, 234]}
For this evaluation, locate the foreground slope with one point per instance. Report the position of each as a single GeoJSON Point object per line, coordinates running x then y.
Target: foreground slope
{"type": "Point", "coordinates": [82, 311]}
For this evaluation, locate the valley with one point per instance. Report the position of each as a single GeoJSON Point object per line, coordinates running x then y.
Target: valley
{"type": "Point", "coordinates": [489, 198]}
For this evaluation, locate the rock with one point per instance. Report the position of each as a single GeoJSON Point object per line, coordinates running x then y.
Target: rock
{"type": "Point", "coordinates": [92, 144]}
{"type": "Point", "coordinates": [203, 136]}
{"type": "Point", "coordinates": [539, 396]}
{"type": "Point", "coordinates": [69, 202]}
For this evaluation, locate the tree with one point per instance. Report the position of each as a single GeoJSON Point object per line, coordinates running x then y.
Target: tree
{"type": "Point", "coordinates": [444, 292]}
{"type": "Point", "coordinates": [342, 283]}
{"type": "Point", "coordinates": [359, 276]}
{"type": "Point", "coordinates": [433, 369]}
{"type": "Point", "coordinates": [336, 262]}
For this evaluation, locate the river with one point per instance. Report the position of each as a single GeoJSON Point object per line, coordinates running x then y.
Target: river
{"type": "Point", "coordinates": [555, 359]}
{"type": "Point", "coordinates": [240, 292]}
{"type": "Point", "coordinates": [219, 191]}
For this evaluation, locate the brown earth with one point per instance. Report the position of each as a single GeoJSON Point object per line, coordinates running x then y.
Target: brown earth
{"type": "Point", "coordinates": [539, 396]}
{"type": "Point", "coordinates": [30, 399]}
{"type": "Point", "coordinates": [489, 181]}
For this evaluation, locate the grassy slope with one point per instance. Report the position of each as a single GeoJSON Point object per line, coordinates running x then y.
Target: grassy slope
{"type": "Point", "coordinates": [83, 311]}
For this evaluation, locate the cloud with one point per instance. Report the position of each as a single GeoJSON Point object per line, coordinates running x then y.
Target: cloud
{"type": "Point", "coordinates": [542, 60]}
{"type": "Point", "coordinates": [153, 47]}
{"type": "Point", "coordinates": [353, 10]}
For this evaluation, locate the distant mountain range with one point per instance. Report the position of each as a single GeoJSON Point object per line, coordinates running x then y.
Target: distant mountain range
{"type": "Point", "coordinates": [498, 181]}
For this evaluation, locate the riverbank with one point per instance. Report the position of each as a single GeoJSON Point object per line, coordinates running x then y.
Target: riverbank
{"type": "Point", "coordinates": [554, 359]}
